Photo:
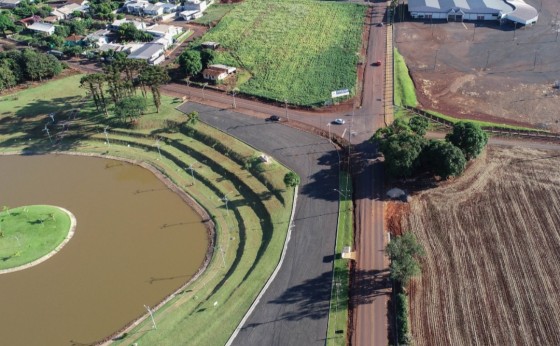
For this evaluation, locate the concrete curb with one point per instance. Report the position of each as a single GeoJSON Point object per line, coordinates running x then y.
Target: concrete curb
{"type": "Point", "coordinates": [53, 252]}
{"type": "Point", "coordinates": [269, 281]}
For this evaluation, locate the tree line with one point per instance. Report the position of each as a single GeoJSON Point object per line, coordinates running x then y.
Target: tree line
{"type": "Point", "coordinates": [20, 66]}
{"type": "Point", "coordinates": [408, 153]}
{"type": "Point", "coordinates": [119, 83]}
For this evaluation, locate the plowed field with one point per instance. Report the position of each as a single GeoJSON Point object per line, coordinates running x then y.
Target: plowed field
{"type": "Point", "coordinates": [491, 275]}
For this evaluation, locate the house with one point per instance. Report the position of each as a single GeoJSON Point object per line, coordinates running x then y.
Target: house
{"type": "Point", "coordinates": [100, 37]}
{"type": "Point", "coordinates": [217, 72]}
{"type": "Point", "coordinates": [9, 3]}
{"type": "Point", "coordinates": [74, 40]}
{"type": "Point", "coordinates": [210, 45]}
{"type": "Point", "coordinates": [67, 11]}
{"type": "Point", "coordinates": [44, 28]}
{"type": "Point", "coordinates": [190, 14]}
{"type": "Point", "coordinates": [166, 42]}
{"type": "Point", "coordinates": [50, 19]}
{"type": "Point", "coordinates": [170, 8]}
{"type": "Point", "coordinates": [153, 53]}
{"type": "Point", "coordinates": [154, 9]}
{"type": "Point", "coordinates": [162, 30]}
{"type": "Point", "coordinates": [26, 22]}
{"type": "Point", "coordinates": [136, 6]}
{"type": "Point", "coordinates": [195, 5]}
{"type": "Point", "coordinates": [78, 2]}
{"type": "Point", "coordinates": [117, 23]}
{"type": "Point", "coordinates": [114, 47]}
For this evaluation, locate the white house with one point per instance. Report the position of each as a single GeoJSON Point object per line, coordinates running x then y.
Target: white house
{"type": "Point", "coordinates": [197, 5]}
{"type": "Point", "coordinates": [163, 41]}
{"type": "Point", "coordinates": [117, 24]}
{"type": "Point", "coordinates": [66, 11]}
{"type": "Point", "coordinates": [153, 53]}
{"type": "Point", "coordinates": [190, 14]}
{"type": "Point", "coordinates": [100, 37]}
{"type": "Point", "coordinates": [154, 9]}
{"type": "Point", "coordinates": [44, 28]}
{"type": "Point", "coordinates": [136, 7]}
{"type": "Point", "coordinates": [163, 30]}
{"type": "Point", "coordinates": [217, 72]}
{"type": "Point", "coordinates": [9, 3]}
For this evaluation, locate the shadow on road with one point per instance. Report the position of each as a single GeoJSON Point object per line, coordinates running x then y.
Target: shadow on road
{"type": "Point", "coordinates": [323, 183]}
{"type": "Point", "coordinates": [369, 284]}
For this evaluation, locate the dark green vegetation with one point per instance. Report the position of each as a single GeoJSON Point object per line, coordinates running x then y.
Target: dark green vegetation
{"type": "Point", "coordinates": [128, 32]}
{"type": "Point", "coordinates": [404, 252]}
{"type": "Point", "coordinates": [469, 138]}
{"type": "Point", "coordinates": [250, 232]}
{"type": "Point", "coordinates": [17, 67]}
{"type": "Point", "coordinates": [408, 153]}
{"type": "Point", "coordinates": [295, 51]}
{"type": "Point", "coordinates": [338, 314]}
{"type": "Point", "coordinates": [29, 233]}
{"type": "Point", "coordinates": [291, 179]}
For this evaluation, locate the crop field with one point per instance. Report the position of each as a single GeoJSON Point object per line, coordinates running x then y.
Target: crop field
{"type": "Point", "coordinates": [492, 240]}
{"type": "Point", "coordinates": [295, 51]}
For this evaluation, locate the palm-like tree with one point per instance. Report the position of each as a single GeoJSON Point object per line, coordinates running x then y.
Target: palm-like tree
{"type": "Point", "coordinates": [154, 77]}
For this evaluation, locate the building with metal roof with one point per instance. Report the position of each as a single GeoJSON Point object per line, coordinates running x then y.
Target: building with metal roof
{"type": "Point", "coordinates": [153, 53]}
{"type": "Point", "coordinates": [458, 10]}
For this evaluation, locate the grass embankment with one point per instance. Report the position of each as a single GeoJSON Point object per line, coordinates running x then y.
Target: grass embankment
{"type": "Point", "coordinates": [29, 233]}
{"type": "Point", "coordinates": [214, 13]}
{"type": "Point", "coordinates": [405, 95]}
{"type": "Point", "coordinates": [250, 232]}
{"type": "Point", "coordinates": [338, 315]}
{"type": "Point", "coordinates": [298, 51]}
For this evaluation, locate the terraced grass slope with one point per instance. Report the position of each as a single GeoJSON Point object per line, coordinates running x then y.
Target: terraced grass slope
{"type": "Point", "coordinates": [298, 51]}
{"type": "Point", "coordinates": [251, 229]}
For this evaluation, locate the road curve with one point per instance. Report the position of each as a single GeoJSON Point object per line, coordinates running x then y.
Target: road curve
{"type": "Point", "coordinates": [294, 310]}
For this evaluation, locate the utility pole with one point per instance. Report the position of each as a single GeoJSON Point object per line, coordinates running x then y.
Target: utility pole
{"type": "Point", "coordinates": [152, 316]}
{"type": "Point", "coordinates": [535, 59]}
{"type": "Point", "coordinates": [435, 59]}
{"type": "Point", "coordinates": [286, 106]}
{"type": "Point", "coordinates": [487, 60]}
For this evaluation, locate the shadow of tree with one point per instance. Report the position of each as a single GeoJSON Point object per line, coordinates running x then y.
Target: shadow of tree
{"type": "Point", "coordinates": [323, 183]}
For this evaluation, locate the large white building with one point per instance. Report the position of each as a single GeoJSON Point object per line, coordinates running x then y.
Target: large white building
{"type": "Point", "coordinates": [458, 10]}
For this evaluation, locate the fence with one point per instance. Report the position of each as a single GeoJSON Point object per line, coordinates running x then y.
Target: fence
{"type": "Point", "coordinates": [499, 131]}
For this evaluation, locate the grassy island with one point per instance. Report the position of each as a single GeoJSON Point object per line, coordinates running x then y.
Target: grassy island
{"type": "Point", "coordinates": [31, 232]}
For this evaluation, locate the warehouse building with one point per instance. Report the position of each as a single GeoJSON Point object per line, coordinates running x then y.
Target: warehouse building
{"type": "Point", "coordinates": [458, 10]}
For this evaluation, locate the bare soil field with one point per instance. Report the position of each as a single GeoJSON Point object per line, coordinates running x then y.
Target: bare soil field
{"type": "Point", "coordinates": [492, 240]}
{"type": "Point", "coordinates": [486, 71]}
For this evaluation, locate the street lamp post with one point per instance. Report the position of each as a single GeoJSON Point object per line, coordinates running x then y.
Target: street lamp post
{"type": "Point", "coordinates": [435, 59]}
{"type": "Point", "coordinates": [286, 107]}
{"type": "Point", "coordinates": [203, 86]}
{"type": "Point", "coordinates": [329, 127]}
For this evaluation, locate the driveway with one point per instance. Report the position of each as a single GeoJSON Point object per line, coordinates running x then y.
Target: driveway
{"type": "Point", "coordinates": [294, 310]}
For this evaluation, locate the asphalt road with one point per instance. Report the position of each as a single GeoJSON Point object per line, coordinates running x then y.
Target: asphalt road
{"type": "Point", "coordinates": [294, 310]}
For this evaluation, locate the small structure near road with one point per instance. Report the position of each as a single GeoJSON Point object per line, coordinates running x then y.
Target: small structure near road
{"type": "Point", "coordinates": [218, 72]}
{"type": "Point", "coordinates": [347, 253]}
{"type": "Point", "coordinates": [210, 45]}
{"type": "Point", "coordinates": [396, 193]}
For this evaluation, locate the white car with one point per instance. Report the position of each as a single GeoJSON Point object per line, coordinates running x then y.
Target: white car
{"type": "Point", "coordinates": [339, 121]}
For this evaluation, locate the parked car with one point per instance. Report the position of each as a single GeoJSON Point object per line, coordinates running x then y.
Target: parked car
{"type": "Point", "coordinates": [339, 121]}
{"type": "Point", "coordinates": [380, 24]}
{"type": "Point", "coordinates": [274, 118]}
{"type": "Point", "coordinates": [377, 63]}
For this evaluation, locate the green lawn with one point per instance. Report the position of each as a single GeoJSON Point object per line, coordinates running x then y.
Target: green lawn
{"type": "Point", "coordinates": [338, 316]}
{"type": "Point", "coordinates": [29, 233]}
{"type": "Point", "coordinates": [405, 93]}
{"type": "Point", "coordinates": [214, 13]}
{"type": "Point", "coordinates": [294, 50]}
{"type": "Point", "coordinates": [249, 237]}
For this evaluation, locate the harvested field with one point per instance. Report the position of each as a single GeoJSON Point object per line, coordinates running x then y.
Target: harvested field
{"type": "Point", "coordinates": [492, 238]}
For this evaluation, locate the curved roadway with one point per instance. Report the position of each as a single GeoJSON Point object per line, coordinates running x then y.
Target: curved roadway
{"type": "Point", "coordinates": [294, 310]}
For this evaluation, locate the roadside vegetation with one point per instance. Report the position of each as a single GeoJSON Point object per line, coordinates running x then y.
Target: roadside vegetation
{"type": "Point", "coordinates": [404, 251]}
{"type": "Point", "coordinates": [407, 153]}
{"type": "Point", "coordinates": [246, 198]}
{"type": "Point", "coordinates": [29, 233]}
{"type": "Point", "coordinates": [20, 66]}
{"type": "Point", "coordinates": [294, 51]}
{"type": "Point", "coordinates": [338, 315]}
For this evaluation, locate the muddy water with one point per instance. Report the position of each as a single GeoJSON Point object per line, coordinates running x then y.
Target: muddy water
{"type": "Point", "coordinates": [135, 242]}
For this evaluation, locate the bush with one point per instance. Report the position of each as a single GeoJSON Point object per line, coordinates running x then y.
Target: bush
{"type": "Point", "coordinates": [291, 179]}
{"type": "Point", "coordinates": [468, 137]}
{"type": "Point", "coordinates": [402, 319]}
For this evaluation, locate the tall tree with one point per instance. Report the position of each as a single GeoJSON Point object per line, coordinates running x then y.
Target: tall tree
{"type": "Point", "coordinates": [418, 124]}
{"type": "Point", "coordinates": [468, 137]}
{"type": "Point", "coordinates": [402, 152]}
{"type": "Point", "coordinates": [6, 23]}
{"type": "Point", "coordinates": [191, 62]}
{"type": "Point", "coordinates": [154, 77]}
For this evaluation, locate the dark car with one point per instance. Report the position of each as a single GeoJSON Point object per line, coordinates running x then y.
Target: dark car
{"type": "Point", "coordinates": [377, 63]}
{"type": "Point", "coordinates": [274, 118]}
